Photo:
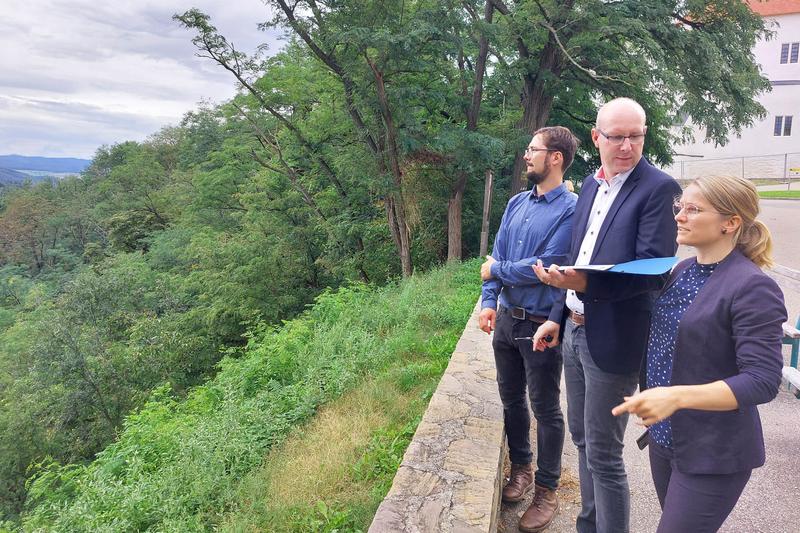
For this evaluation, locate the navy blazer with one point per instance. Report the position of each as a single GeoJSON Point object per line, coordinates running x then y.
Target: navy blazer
{"type": "Point", "coordinates": [639, 224]}
{"type": "Point", "coordinates": [732, 332]}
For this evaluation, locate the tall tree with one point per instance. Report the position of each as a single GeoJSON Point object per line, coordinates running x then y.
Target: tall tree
{"type": "Point", "coordinates": [267, 114]}
{"type": "Point", "coordinates": [677, 58]}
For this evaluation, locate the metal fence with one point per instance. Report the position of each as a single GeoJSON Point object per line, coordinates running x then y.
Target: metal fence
{"type": "Point", "coordinates": [778, 168]}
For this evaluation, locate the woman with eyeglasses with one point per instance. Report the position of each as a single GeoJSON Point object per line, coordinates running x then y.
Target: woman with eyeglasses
{"type": "Point", "coordinates": [713, 355]}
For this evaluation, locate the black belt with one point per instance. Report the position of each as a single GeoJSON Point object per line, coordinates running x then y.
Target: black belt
{"type": "Point", "coordinates": [521, 314]}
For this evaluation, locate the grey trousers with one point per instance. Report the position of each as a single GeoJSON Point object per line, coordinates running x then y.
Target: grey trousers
{"type": "Point", "coordinates": [591, 394]}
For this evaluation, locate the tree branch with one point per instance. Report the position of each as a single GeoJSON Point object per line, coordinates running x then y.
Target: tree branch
{"type": "Point", "coordinates": [577, 65]}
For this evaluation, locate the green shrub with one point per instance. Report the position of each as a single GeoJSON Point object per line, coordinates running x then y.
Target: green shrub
{"type": "Point", "coordinates": [177, 464]}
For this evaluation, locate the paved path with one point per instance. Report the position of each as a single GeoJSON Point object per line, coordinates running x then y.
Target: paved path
{"type": "Point", "coordinates": [768, 505]}
{"type": "Point", "coordinates": [771, 500]}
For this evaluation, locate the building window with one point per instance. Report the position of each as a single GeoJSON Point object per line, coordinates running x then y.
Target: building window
{"type": "Point", "coordinates": [783, 126]}
{"type": "Point", "coordinates": [790, 53]}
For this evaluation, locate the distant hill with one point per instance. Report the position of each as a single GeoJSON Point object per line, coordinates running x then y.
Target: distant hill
{"type": "Point", "coordinates": [12, 177]}
{"type": "Point", "coordinates": [46, 164]}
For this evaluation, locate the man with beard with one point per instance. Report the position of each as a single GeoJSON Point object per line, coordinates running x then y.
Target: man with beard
{"type": "Point", "coordinates": [536, 225]}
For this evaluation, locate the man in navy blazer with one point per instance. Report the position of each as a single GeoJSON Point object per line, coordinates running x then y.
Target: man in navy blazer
{"type": "Point", "coordinates": [624, 213]}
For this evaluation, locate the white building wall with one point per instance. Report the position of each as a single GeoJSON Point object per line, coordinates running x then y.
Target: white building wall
{"type": "Point", "coordinates": [768, 53]}
{"type": "Point", "coordinates": [757, 152]}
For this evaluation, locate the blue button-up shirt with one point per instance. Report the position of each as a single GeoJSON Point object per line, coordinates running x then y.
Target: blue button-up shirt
{"type": "Point", "coordinates": [531, 225]}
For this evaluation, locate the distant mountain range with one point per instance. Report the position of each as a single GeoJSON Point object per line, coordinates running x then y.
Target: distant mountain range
{"type": "Point", "coordinates": [58, 165]}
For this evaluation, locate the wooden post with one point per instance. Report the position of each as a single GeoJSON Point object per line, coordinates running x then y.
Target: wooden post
{"type": "Point", "coordinates": [487, 207]}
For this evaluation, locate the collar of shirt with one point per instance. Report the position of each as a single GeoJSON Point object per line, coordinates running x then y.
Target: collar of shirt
{"type": "Point", "coordinates": [550, 195]}
{"type": "Point", "coordinates": [600, 176]}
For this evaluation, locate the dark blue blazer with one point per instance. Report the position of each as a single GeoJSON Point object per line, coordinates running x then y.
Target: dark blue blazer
{"type": "Point", "coordinates": [732, 332]}
{"type": "Point", "coordinates": [640, 224]}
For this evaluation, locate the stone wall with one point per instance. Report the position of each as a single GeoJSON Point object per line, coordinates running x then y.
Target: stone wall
{"type": "Point", "coordinates": [449, 480]}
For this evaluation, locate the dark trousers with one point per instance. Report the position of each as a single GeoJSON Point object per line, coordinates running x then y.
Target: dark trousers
{"type": "Point", "coordinates": [699, 503]}
{"type": "Point", "coordinates": [521, 370]}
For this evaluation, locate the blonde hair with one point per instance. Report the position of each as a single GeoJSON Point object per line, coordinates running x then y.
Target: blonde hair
{"type": "Point", "coordinates": [731, 195]}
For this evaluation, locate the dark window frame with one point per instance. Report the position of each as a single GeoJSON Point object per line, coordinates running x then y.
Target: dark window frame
{"type": "Point", "coordinates": [790, 53]}
{"type": "Point", "coordinates": [782, 126]}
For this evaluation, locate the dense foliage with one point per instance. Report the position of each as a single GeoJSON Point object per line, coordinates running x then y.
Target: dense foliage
{"type": "Point", "coordinates": [176, 464]}
{"type": "Point", "coordinates": [355, 154]}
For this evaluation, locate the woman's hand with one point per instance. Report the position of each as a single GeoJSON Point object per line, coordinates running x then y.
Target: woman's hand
{"type": "Point", "coordinates": [656, 404]}
{"type": "Point", "coordinates": [652, 405]}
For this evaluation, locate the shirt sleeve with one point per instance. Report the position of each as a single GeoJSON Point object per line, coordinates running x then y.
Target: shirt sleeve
{"type": "Point", "coordinates": [490, 290]}
{"type": "Point", "coordinates": [520, 273]}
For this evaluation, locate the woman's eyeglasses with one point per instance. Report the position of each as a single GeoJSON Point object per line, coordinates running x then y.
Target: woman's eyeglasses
{"type": "Point", "coordinates": [691, 210]}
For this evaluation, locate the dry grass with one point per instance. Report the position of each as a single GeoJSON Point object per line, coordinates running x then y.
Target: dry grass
{"type": "Point", "coordinates": [315, 463]}
{"type": "Point", "coordinates": [312, 465]}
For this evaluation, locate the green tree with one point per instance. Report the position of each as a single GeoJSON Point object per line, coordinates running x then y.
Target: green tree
{"type": "Point", "coordinates": [677, 58]}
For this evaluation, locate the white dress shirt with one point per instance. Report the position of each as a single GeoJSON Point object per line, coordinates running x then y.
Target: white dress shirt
{"type": "Point", "coordinates": [606, 193]}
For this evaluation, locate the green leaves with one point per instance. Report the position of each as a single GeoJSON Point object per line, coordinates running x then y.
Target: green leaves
{"type": "Point", "coordinates": [221, 430]}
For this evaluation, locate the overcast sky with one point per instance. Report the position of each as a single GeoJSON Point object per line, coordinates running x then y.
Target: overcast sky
{"type": "Point", "coordinates": [77, 74]}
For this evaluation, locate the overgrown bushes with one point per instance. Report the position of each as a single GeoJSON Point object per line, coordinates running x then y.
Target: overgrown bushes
{"type": "Point", "coordinates": [177, 464]}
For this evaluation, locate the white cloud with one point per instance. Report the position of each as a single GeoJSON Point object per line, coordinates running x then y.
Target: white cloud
{"type": "Point", "coordinates": [76, 74]}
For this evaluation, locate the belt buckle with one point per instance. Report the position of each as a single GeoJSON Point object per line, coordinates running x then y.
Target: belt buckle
{"type": "Point", "coordinates": [518, 313]}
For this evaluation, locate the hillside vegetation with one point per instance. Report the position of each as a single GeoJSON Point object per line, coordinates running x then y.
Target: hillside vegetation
{"type": "Point", "coordinates": [177, 463]}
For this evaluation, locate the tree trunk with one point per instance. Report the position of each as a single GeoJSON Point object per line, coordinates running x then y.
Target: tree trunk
{"type": "Point", "coordinates": [537, 100]}
{"type": "Point", "coordinates": [455, 204]}
{"type": "Point", "coordinates": [455, 207]}
{"type": "Point", "coordinates": [396, 210]}
{"type": "Point", "coordinates": [487, 206]}
{"type": "Point", "coordinates": [536, 105]}
{"type": "Point", "coordinates": [401, 242]}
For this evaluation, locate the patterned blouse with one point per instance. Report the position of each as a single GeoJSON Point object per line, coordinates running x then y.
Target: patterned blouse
{"type": "Point", "coordinates": [667, 314]}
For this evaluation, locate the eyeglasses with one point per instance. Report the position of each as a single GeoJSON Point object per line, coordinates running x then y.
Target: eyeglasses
{"type": "Point", "coordinates": [530, 150]}
{"type": "Point", "coordinates": [691, 210]}
{"type": "Point", "coordinates": [617, 140]}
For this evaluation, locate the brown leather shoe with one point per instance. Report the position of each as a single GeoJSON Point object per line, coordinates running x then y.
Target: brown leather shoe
{"type": "Point", "coordinates": [519, 484]}
{"type": "Point", "coordinates": [541, 512]}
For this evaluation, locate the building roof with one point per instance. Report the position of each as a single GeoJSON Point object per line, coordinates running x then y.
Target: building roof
{"type": "Point", "coordinates": [767, 8]}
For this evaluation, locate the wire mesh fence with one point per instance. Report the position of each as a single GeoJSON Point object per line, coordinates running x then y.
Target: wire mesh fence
{"type": "Point", "coordinates": [775, 168]}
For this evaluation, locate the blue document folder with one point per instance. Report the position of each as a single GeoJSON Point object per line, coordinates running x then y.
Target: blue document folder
{"type": "Point", "coordinates": [653, 266]}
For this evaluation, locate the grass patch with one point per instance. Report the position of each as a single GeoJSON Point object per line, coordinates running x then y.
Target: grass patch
{"type": "Point", "coordinates": [779, 194]}
{"type": "Point", "coordinates": [332, 474]}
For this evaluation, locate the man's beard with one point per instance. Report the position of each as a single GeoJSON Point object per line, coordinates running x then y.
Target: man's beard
{"type": "Point", "coordinates": [535, 178]}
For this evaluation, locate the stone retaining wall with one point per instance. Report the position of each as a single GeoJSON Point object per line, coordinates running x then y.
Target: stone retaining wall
{"type": "Point", "coordinates": [449, 480]}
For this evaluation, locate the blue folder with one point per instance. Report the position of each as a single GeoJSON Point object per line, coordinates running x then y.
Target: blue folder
{"type": "Point", "coordinates": [653, 266]}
